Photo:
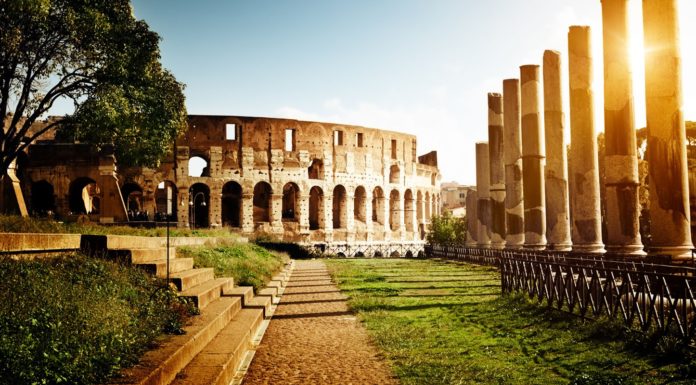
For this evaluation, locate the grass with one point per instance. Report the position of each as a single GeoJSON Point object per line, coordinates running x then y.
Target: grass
{"type": "Point", "coordinates": [249, 264]}
{"type": "Point", "coordinates": [18, 224]}
{"type": "Point", "coordinates": [77, 320]}
{"type": "Point", "coordinates": [441, 322]}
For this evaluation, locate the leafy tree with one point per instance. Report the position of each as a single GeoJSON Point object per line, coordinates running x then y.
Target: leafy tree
{"type": "Point", "coordinates": [447, 229]}
{"type": "Point", "coordinates": [97, 55]}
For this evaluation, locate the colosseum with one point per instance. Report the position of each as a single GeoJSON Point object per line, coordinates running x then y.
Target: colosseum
{"type": "Point", "coordinates": [341, 189]}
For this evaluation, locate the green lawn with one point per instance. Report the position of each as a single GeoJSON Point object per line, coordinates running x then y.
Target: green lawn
{"type": "Point", "coordinates": [442, 322]}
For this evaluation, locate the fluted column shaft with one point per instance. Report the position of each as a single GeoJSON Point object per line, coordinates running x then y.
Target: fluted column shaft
{"type": "Point", "coordinates": [496, 170]}
{"type": "Point", "coordinates": [483, 207]}
{"type": "Point", "coordinates": [670, 220]}
{"type": "Point", "coordinates": [512, 155]}
{"type": "Point", "coordinates": [584, 180]}
{"type": "Point", "coordinates": [621, 162]}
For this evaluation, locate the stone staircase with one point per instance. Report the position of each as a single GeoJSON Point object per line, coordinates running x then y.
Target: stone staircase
{"type": "Point", "coordinates": [216, 341]}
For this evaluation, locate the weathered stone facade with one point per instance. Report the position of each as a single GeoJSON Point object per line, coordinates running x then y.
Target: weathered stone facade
{"type": "Point", "coordinates": [346, 189]}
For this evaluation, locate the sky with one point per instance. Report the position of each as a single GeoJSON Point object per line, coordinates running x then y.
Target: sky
{"type": "Point", "coordinates": [422, 67]}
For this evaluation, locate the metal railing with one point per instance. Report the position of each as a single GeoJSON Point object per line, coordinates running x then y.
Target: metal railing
{"type": "Point", "coordinates": [655, 298]}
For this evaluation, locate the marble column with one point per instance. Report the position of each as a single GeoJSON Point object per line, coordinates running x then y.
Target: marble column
{"type": "Point", "coordinates": [496, 170]}
{"type": "Point", "coordinates": [483, 206]}
{"type": "Point", "coordinates": [584, 181]}
{"type": "Point", "coordinates": [533, 159]}
{"type": "Point", "coordinates": [670, 219]}
{"type": "Point", "coordinates": [512, 154]}
{"type": "Point", "coordinates": [471, 219]}
{"type": "Point", "coordinates": [556, 170]}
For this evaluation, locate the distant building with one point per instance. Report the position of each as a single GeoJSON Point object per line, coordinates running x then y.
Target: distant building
{"type": "Point", "coordinates": [454, 198]}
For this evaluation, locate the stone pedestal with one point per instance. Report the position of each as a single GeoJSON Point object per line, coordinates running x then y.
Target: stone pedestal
{"type": "Point", "coordinates": [483, 206]}
{"type": "Point", "coordinates": [533, 159]}
{"type": "Point", "coordinates": [512, 155]}
{"type": "Point", "coordinates": [497, 170]}
{"type": "Point", "coordinates": [670, 220]}
{"type": "Point", "coordinates": [556, 170]}
{"type": "Point", "coordinates": [621, 162]}
{"type": "Point", "coordinates": [584, 179]}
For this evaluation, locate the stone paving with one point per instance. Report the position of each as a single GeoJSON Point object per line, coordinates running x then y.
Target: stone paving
{"type": "Point", "coordinates": [314, 339]}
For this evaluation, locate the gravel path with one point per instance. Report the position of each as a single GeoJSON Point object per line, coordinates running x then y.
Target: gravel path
{"type": "Point", "coordinates": [313, 339]}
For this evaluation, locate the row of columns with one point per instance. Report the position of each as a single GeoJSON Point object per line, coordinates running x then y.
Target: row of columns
{"type": "Point", "coordinates": [525, 197]}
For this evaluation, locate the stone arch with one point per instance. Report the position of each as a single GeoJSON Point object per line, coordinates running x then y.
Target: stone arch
{"type": "Point", "coordinates": [408, 210]}
{"type": "Point", "coordinates": [433, 179]}
{"type": "Point", "coordinates": [132, 195]}
{"type": "Point", "coordinates": [82, 196]}
{"type": "Point", "coordinates": [394, 210]}
{"type": "Point", "coordinates": [419, 207]}
{"type": "Point", "coordinates": [198, 166]}
{"type": "Point", "coordinates": [394, 174]}
{"type": "Point", "coordinates": [199, 204]}
{"type": "Point", "coordinates": [166, 197]}
{"type": "Point", "coordinates": [360, 204]}
{"type": "Point", "coordinates": [262, 202]}
{"type": "Point", "coordinates": [232, 204]}
{"type": "Point", "coordinates": [434, 204]}
{"type": "Point", "coordinates": [378, 205]}
{"type": "Point", "coordinates": [291, 202]}
{"type": "Point", "coordinates": [316, 208]}
{"type": "Point", "coordinates": [340, 200]}
{"type": "Point", "coordinates": [316, 169]}
{"type": "Point", "coordinates": [428, 214]}
{"type": "Point", "coordinates": [43, 199]}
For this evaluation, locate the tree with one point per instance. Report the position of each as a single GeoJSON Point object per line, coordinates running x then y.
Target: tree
{"type": "Point", "coordinates": [96, 54]}
{"type": "Point", "coordinates": [447, 229]}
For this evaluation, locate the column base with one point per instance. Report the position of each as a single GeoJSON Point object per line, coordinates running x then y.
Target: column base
{"type": "Point", "coordinates": [593, 248]}
{"type": "Point", "coordinates": [498, 246]}
{"type": "Point", "coordinates": [537, 246]}
{"type": "Point", "coordinates": [678, 253]}
{"type": "Point", "coordinates": [628, 251]}
{"type": "Point", "coordinates": [559, 247]}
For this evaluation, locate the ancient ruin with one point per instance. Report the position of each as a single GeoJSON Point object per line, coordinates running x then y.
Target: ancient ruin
{"type": "Point", "coordinates": [512, 152]}
{"type": "Point", "coordinates": [341, 189]}
{"type": "Point", "coordinates": [496, 170]}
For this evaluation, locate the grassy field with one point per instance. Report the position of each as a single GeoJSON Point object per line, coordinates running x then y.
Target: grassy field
{"type": "Point", "coordinates": [443, 322]}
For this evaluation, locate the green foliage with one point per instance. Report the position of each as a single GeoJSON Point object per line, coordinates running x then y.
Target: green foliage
{"type": "Point", "coordinates": [447, 229]}
{"type": "Point", "coordinates": [445, 323]}
{"type": "Point", "coordinates": [17, 224]}
{"type": "Point", "coordinates": [247, 263]}
{"type": "Point", "coordinates": [77, 320]}
{"type": "Point", "coordinates": [98, 55]}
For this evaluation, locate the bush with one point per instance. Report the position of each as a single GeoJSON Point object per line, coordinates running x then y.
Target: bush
{"type": "Point", "coordinates": [78, 320]}
{"type": "Point", "coordinates": [447, 229]}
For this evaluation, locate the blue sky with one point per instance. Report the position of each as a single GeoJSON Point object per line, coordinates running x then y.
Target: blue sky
{"type": "Point", "coordinates": [417, 66]}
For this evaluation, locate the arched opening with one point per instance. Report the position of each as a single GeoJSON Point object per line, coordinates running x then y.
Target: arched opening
{"type": "Point", "coordinates": [359, 254]}
{"type": "Point", "coordinates": [433, 179]}
{"type": "Point", "coordinates": [198, 166]}
{"type": "Point", "coordinates": [132, 195]}
{"type": "Point", "coordinates": [394, 210]}
{"type": "Point", "coordinates": [316, 169]}
{"type": "Point", "coordinates": [427, 207]}
{"type": "Point", "coordinates": [83, 196]}
{"type": "Point", "coordinates": [378, 205]}
{"type": "Point", "coordinates": [316, 208]}
{"type": "Point", "coordinates": [339, 207]}
{"type": "Point", "coordinates": [394, 174]}
{"type": "Point", "coordinates": [394, 254]}
{"type": "Point", "coordinates": [378, 254]}
{"type": "Point", "coordinates": [231, 204]}
{"type": "Point", "coordinates": [165, 202]}
{"type": "Point", "coordinates": [291, 202]}
{"type": "Point", "coordinates": [408, 210]}
{"type": "Point", "coordinates": [419, 207]}
{"type": "Point", "coordinates": [409, 254]}
{"type": "Point", "coordinates": [434, 203]}
{"type": "Point", "coordinates": [43, 200]}
{"type": "Point", "coordinates": [262, 202]}
{"type": "Point", "coordinates": [199, 204]}
{"type": "Point", "coordinates": [360, 204]}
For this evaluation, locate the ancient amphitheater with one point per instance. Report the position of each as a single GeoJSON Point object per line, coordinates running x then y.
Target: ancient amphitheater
{"type": "Point", "coordinates": [342, 189]}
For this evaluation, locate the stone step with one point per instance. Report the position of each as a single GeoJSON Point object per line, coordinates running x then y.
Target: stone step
{"type": "Point", "coordinates": [275, 283]}
{"type": "Point", "coordinates": [148, 255]}
{"type": "Point", "coordinates": [263, 302]}
{"type": "Point", "coordinates": [160, 366]}
{"type": "Point", "coordinates": [207, 292]}
{"type": "Point", "coordinates": [271, 292]}
{"type": "Point", "coordinates": [185, 280]}
{"type": "Point", "coordinates": [218, 362]}
{"type": "Point", "coordinates": [246, 293]}
{"type": "Point", "coordinates": [159, 267]}
{"type": "Point", "coordinates": [282, 279]}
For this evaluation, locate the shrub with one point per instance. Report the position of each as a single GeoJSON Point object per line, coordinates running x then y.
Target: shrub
{"type": "Point", "coordinates": [77, 320]}
{"type": "Point", "coordinates": [447, 229]}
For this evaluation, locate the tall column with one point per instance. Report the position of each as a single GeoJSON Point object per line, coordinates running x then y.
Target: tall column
{"type": "Point", "coordinates": [670, 219]}
{"type": "Point", "coordinates": [533, 159]}
{"type": "Point", "coordinates": [512, 153]}
{"type": "Point", "coordinates": [483, 206]}
{"type": "Point", "coordinates": [621, 163]}
{"type": "Point", "coordinates": [556, 171]}
{"type": "Point", "coordinates": [471, 219]}
{"type": "Point", "coordinates": [497, 170]}
{"type": "Point", "coordinates": [585, 198]}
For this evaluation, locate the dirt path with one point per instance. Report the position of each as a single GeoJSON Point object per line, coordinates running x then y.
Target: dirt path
{"type": "Point", "coordinates": [313, 339]}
